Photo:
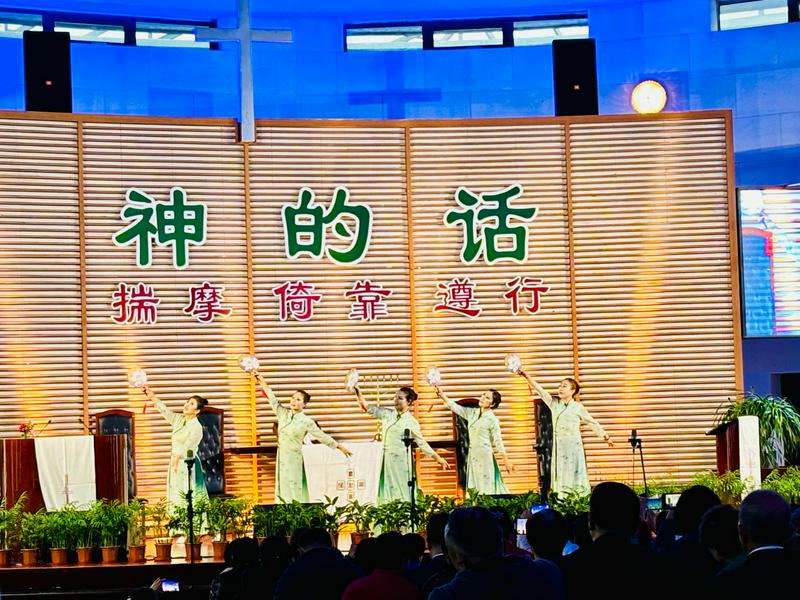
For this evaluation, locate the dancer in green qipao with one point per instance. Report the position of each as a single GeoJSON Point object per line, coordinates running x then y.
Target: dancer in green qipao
{"type": "Point", "coordinates": [568, 466]}
{"type": "Point", "coordinates": [293, 425]}
{"type": "Point", "coordinates": [483, 473]}
{"type": "Point", "coordinates": [187, 433]}
{"type": "Point", "coordinates": [395, 466]}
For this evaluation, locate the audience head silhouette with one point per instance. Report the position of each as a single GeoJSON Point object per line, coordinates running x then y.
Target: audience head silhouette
{"type": "Point", "coordinates": [472, 536]}
{"type": "Point", "coordinates": [764, 518]}
{"type": "Point", "coordinates": [613, 509]}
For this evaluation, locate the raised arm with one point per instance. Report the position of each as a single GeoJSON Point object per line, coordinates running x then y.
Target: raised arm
{"type": "Point", "coordinates": [543, 393]}
{"type": "Point", "coordinates": [594, 425]}
{"type": "Point", "coordinates": [170, 416]}
{"type": "Point", "coordinates": [272, 399]}
{"type": "Point", "coordinates": [449, 404]}
{"type": "Point", "coordinates": [360, 398]}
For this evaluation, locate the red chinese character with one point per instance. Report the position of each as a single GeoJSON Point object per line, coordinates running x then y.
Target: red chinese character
{"type": "Point", "coordinates": [529, 285]}
{"type": "Point", "coordinates": [297, 300]}
{"type": "Point", "coordinates": [136, 304]}
{"type": "Point", "coordinates": [368, 304]}
{"type": "Point", "coordinates": [205, 302]}
{"type": "Point", "coordinates": [458, 296]}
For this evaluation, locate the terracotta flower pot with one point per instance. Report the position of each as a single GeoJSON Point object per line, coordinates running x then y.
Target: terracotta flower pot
{"type": "Point", "coordinates": [136, 554]}
{"type": "Point", "coordinates": [29, 558]}
{"type": "Point", "coordinates": [163, 552]}
{"type": "Point", "coordinates": [219, 549]}
{"type": "Point", "coordinates": [357, 537]}
{"type": "Point", "coordinates": [195, 551]}
{"type": "Point", "coordinates": [58, 556]}
{"type": "Point", "coordinates": [5, 558]}
{"type": "Point", "coordinates": [84, 556]}
{"type": "Point", "coordinates": [109, 553]}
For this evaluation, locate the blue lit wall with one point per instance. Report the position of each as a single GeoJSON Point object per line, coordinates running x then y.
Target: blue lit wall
{"type": "Point", "coordinates": [755, 72]}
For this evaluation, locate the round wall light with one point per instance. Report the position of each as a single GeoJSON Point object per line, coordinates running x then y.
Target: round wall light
{"type": "Point", "coordinates": [648, 97]}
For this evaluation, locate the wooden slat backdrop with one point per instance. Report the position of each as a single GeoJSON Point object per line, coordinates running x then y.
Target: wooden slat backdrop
{"type": "Point", "coordinates": [633, 236]}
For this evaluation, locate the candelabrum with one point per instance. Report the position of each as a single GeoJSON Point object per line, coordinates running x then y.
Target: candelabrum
{"type": "Point", "coordinates": [379, 388]}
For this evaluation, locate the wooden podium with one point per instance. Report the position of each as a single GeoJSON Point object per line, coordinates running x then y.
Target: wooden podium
{"type": "Point", "coordinates": [738, 448]}
{"type": "Point", "coordinates": [20, 473]}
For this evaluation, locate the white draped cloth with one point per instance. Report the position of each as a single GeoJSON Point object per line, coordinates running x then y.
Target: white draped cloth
{"type": "Point", "coordinates": [330, 473]}
{"type": "Point", "coordinates": [66, 470]}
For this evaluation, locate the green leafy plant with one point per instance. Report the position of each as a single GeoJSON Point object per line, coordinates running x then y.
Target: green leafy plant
{"type": "Point", "coordinates": [33, 530]}
{"type": "Point", "coordinates": [570, 503]}
{"type": "Point", "coordinates": [227, 515]}
{"type": "Point", "coordinates": [393, 515]}
{"type": "Point", "coordinates": [136, 521]}
{"type": "Point", "coordinates": [361, 516]}
{"type": "Point", "coordinates": [11, 522]}
{"type": "Point", "coordinates": [179, 519]}
{"type": "Point", "coordinates": [787, 484]}
{"type": "Point", "coordinates": [426, 505]}
{"type": "Point", "coordinates": [327, 515]}
{"type": "Point", "coordinates": [158, 517]}
{"type": "Point", "coordinates": [109, 518]}
{"type": "Point", "coordinates": [728, 486]}
{"type": "Point", "coordinates": [82, 529]}
{"type": "Point", "coordinates": [659, 486]}
{"type": "Point", "coordinates": [777, 420]}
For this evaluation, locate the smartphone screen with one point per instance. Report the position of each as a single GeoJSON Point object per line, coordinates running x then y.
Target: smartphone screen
{"type": "Point", "coordinates": [170, 586]}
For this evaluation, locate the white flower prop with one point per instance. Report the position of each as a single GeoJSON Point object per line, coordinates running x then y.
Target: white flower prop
{"type": "Point", "coordinates": [351, 381]}
{"type": "Point", "coordinates": [249, 364]}
{"type": "Point", "coordinates": [513, 363]}
{"type": "Point", "coordinates": [434, 376]}
{"type": "Point", "coordinates": [137, 378]}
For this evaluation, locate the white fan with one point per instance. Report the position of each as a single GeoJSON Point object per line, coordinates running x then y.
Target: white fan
{"type": "Point", "coordinates": [137, 378]}
{"type": "Point", "coordinates": [249, 364]}
{"type": "Point", "coordinates": [434, 376]}
{"type": "Point", "coordinates": [351, 381]}
{"type": "Point", "coordinates": [513, 363]}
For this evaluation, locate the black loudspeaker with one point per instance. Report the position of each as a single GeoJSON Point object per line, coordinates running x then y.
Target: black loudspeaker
{"type": "Point", "coordinates": [575, 77]}
{"type": "Point", "coordinates": [48, 76]}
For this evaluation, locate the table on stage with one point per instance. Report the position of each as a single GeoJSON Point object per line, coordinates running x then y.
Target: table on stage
{"type": "Point", "coordinates": [21, 471]}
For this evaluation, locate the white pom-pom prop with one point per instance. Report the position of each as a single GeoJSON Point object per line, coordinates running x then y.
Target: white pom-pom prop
{"type": "Point", "coordinates": [137, 378]}
{"type": "Point", "coordinates": [249, 364]}
{"type": "Point", "coordinates": [351, 381]}
{"type": "Point", "coordinates": [434, 376]}
{"type": "Point", "coordinates": [513, 363]}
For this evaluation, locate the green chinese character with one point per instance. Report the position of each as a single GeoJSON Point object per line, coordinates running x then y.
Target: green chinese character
{"type": "Point", "coordinates": [305, 227]}
{"type": "Point", "coordinates": [141, 228]}
{"type": "Point", "coordinates": [180, 223]}
{"type": "Point", "coordinates": [493, 218]}
{"type": "Point", "coordinates": [177, 222]}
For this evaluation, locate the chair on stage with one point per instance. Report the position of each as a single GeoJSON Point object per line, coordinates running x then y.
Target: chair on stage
{"type": "Point", "coordinates": [462, 442]}
{"type": "Point", "coordinates": [117, 421]}
{"type": "Point", "coordinates": [211, 451]}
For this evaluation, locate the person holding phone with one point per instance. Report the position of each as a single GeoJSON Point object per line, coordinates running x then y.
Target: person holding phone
{"type": "Point", "coordinates": [397, 423]}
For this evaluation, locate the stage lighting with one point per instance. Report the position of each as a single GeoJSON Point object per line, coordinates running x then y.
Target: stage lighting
{"type": "Point", "coordinates": [648, 97]}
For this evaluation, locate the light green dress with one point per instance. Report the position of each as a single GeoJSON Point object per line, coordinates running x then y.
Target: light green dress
{"type": "Point", "coordinates": [395, 466]}
{"type": "Point", "coordinates": [186, 435]}
{"type": "Point", "coordinates": [568, 466]}
{"type": "Point", "coordinates": [483, 474]}
{"type": "Point", "coordinates": [290, 472]}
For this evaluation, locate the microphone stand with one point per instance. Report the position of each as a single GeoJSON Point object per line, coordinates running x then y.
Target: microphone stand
{"type": "Point", "coordinates": [412, 480]}
{"type": "Point", "coordinates": [189, 460]}
{"type": "Point", "coordinates": [636, 442]}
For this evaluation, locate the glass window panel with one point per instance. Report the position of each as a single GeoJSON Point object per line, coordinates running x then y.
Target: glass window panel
{"type": "Point", "coordinates": [757, 13]}
{"type": "Point", "coordinates": [165, 34]}
{"type": "Point", "coordinates": [86, 32]}
{"type": "Point", "coordinates": [385, 38]}
{"type": "Point", "coordinates": [544, 31]}
{"type": "Point", "coordinates": [13, 24]}
{"type": "Point", "coordinates": [460, 38]}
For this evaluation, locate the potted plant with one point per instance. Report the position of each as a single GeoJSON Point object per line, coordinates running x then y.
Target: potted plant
{"type": "Point", "coordinates": [787, 484]}
{"type": "Point", "coordinates": [728, 486]}
{"type": "Point", "coordinates": [32, 534]}
{"type": "Point", "coordinates": [225, 516]}
{"type": "Point", "coordinates": [57, 532]}
{"type": "Point", "coordinates": [570, 503]}
{"type": "Point", "coordinates": [109, 518]}
{"type": "Point", "coordinates": [159, 517]}
{"type": "Point", "coordinates": [136, 521]}
{"type": "Point", "coordinates": [82, 532]}
{"type": "Point", "coordinates": [327, 516]}
{"type": "Point", "coordinates": [10, 528]}
{"type": "Point", "coordinates": [360, 516]}
{"type": "Point", "coordinates": [393, 515]}
{"type": "Point", "coordinates": [263, 520]}
{"type": "Point", "coordinates": [179, 522]}
{"type": "Point", "coordinates": [778, 423]}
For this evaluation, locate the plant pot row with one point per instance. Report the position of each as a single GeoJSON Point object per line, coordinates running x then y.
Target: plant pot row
{"type": "Point", "coordinates": [58, 556]}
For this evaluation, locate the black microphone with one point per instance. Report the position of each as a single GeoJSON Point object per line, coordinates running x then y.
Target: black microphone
{"type": "Point", "coordinates": [407, 439]}
{"type": "Point", "coordinates": [633, 440]}
{"type": "Point", "coordinates": [189, 460]}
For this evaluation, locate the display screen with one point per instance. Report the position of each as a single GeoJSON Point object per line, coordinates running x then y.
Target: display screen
{"type": "Point", "coordinates": [770, 249]}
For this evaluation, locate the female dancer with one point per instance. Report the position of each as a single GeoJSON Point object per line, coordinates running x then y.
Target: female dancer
{"type": "Point", "coordinates": [187, 433]}
{"type": "Point", "coordinates": [293, 425]}
{"type": "Point", "coordinates": [395, 467]}
{"type": "Point", "coordinates": [568, 465]}
{"type": "Point", "coordinates": [483, 473]}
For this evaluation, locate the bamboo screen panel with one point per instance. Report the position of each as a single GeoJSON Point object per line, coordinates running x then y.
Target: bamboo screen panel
{"type": "Point", "coordinates": [40, 306]}
{"type": "Point", "coordinates": [470, 352]}
{"type": "Point", "coordinates": [315, 355]}
{"type": "Point", "coordinates": [658, 328]}
{"type": "Point", "coordinates": [632, 236]}
{"type": "Point", "coordinates": [180, 355]}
